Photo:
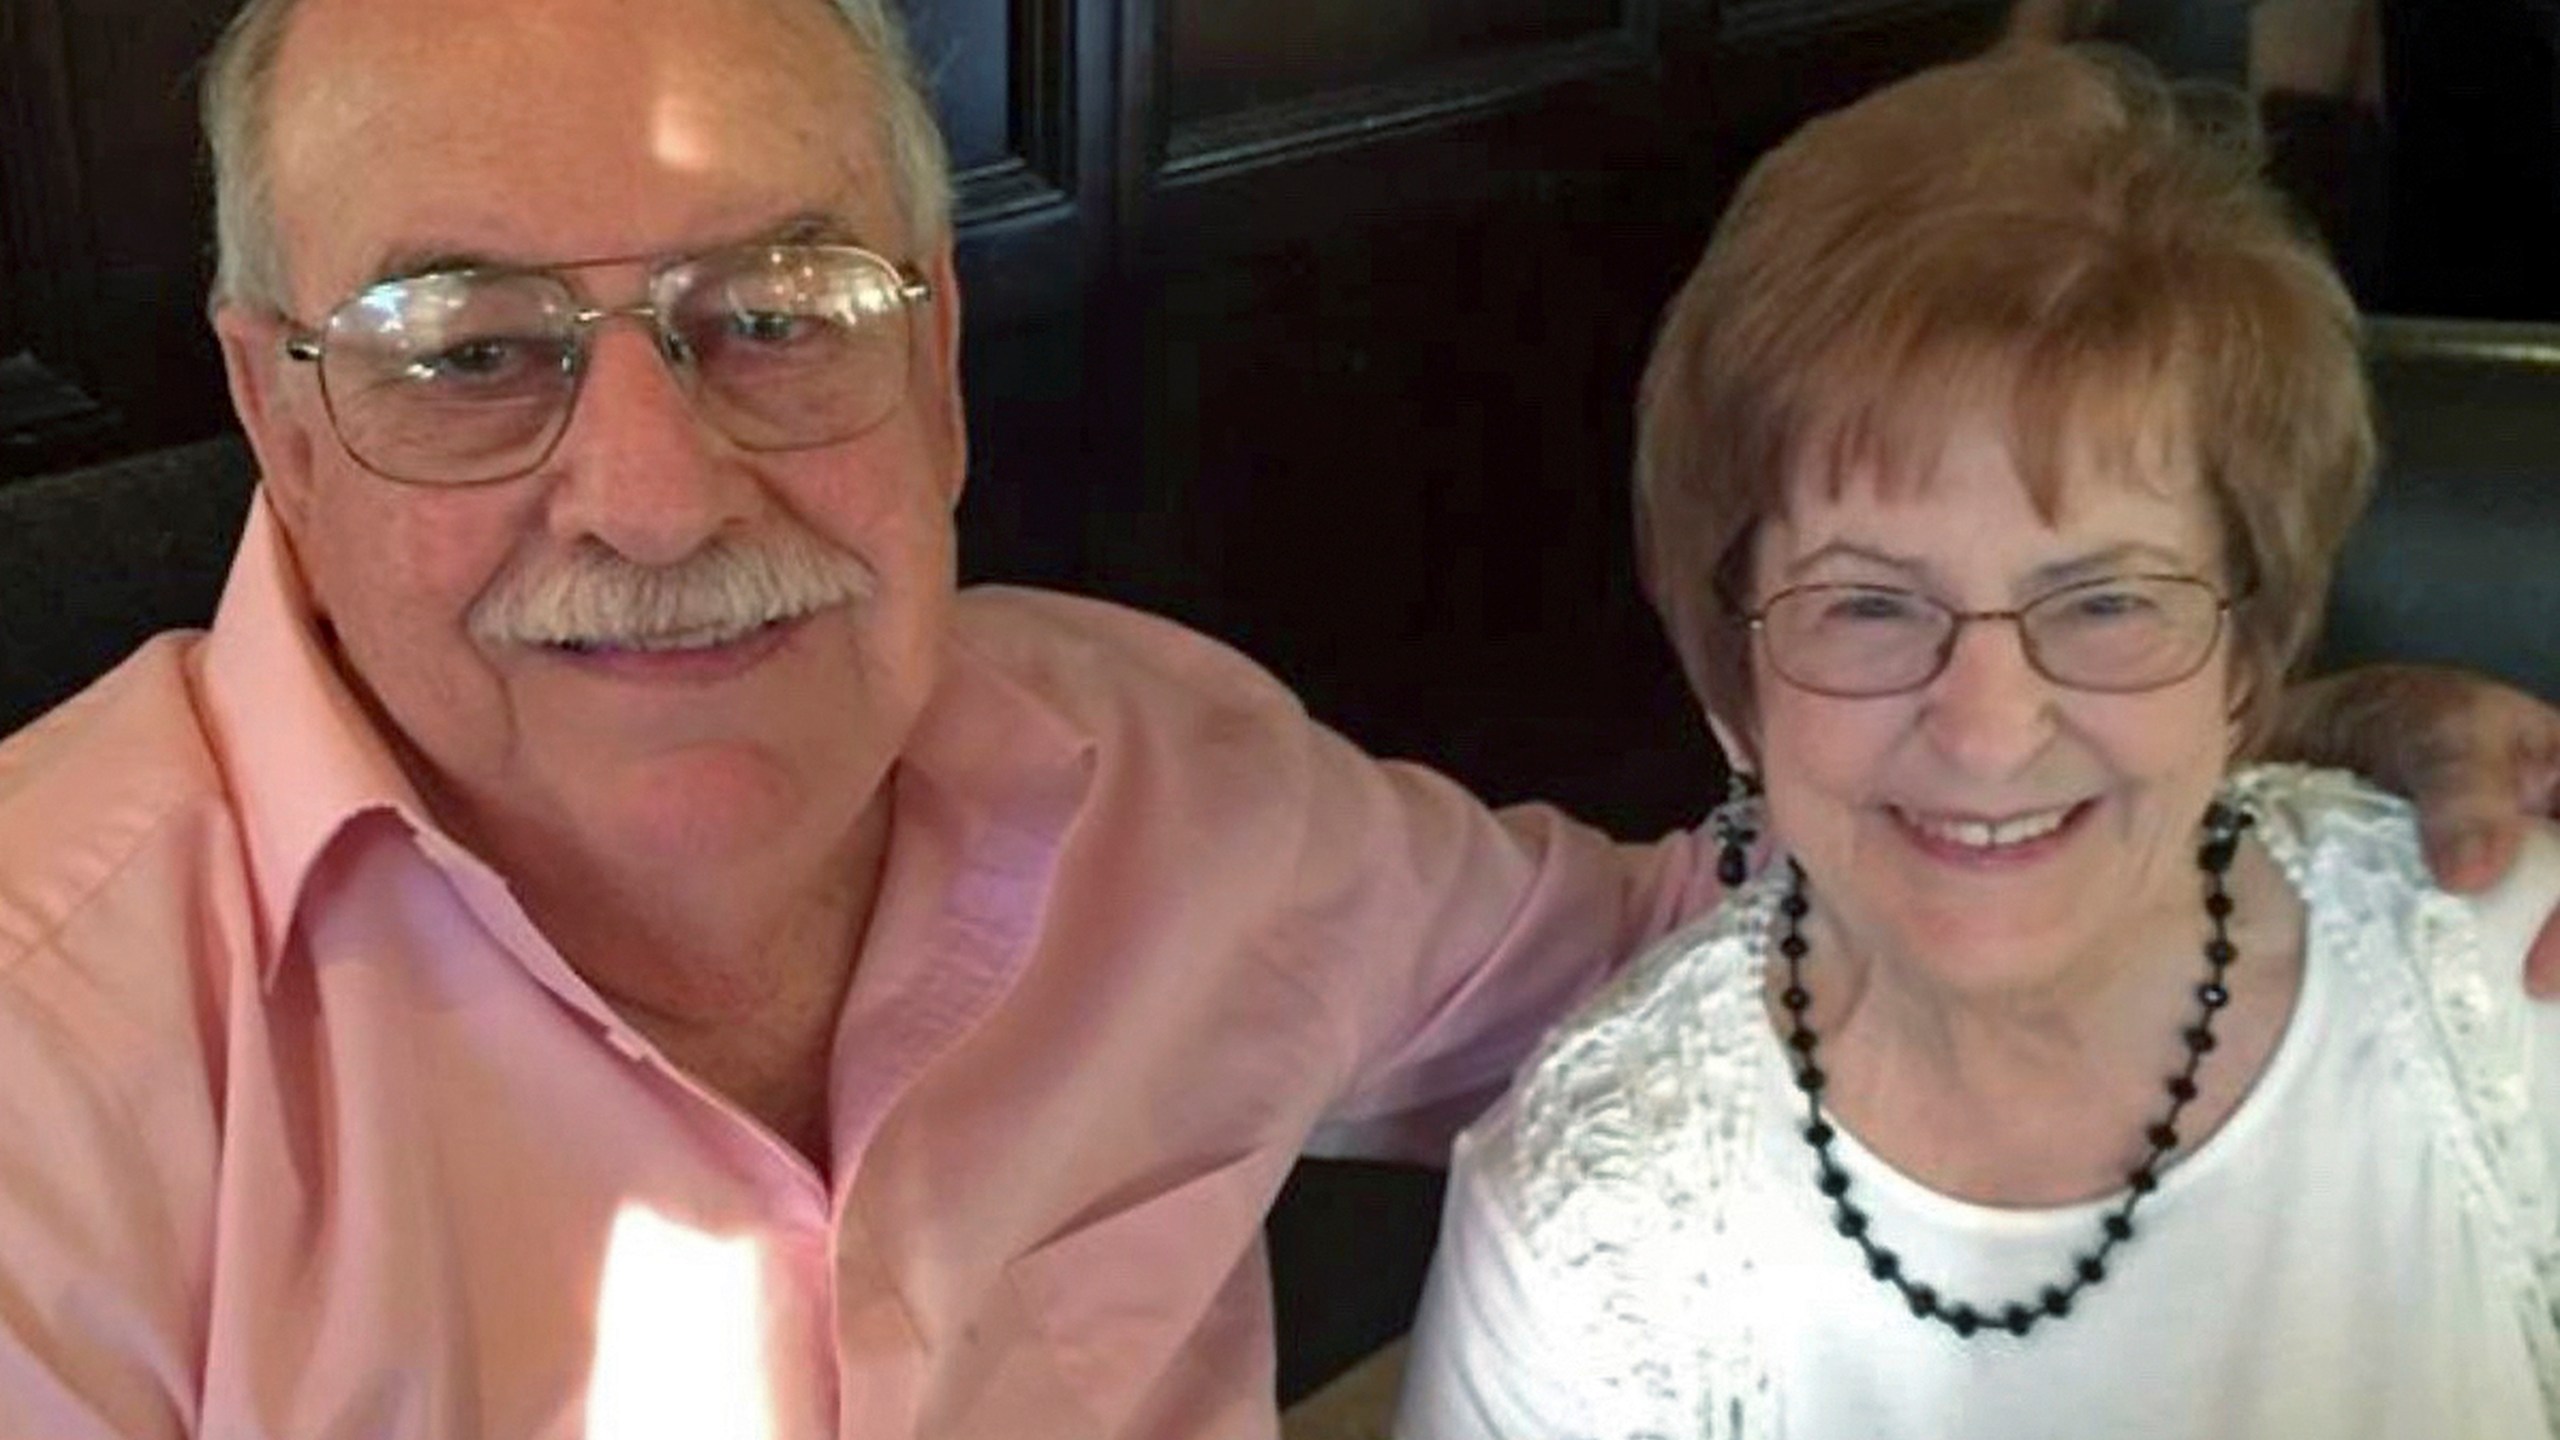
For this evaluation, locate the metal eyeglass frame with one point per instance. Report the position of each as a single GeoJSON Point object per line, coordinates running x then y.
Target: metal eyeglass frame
{"type": "Point", "coordinates": [308, 344]}
{"type": "Point", "coordinates": [2223, 604]}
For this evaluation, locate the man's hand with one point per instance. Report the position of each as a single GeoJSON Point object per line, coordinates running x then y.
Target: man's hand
{"type": "Point", "coordinates": [2478, 758]}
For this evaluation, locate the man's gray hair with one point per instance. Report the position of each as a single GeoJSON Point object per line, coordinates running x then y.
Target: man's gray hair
{"type": "Point", "coordinates": [238, 99]}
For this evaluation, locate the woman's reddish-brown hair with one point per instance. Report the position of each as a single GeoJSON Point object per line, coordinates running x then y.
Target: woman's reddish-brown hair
{"type": "Point", "coordinates": [2048, 233]}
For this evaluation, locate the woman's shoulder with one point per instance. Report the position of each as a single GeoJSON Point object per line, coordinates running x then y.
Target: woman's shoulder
{"type": "Point", "coordinates": [1651, 1079]}
{"type": "Point", "coordinates": [2438, 977]}
{"type": "Point", "coordinates": [2355, 855]}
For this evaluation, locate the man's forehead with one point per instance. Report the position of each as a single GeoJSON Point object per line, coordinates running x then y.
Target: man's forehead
{"type": "Point", "coordinates": [566, 130]}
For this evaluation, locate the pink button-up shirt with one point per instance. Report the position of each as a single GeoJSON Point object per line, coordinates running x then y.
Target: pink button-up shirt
{"type": "Point", "coordinates": [306, 1132]}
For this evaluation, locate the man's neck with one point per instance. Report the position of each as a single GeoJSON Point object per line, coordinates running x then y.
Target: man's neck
{"type": "Point", "coordinates": [738, 976]}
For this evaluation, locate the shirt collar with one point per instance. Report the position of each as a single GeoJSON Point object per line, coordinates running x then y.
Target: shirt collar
{"type": "Point", "coordinates": [300, 754]}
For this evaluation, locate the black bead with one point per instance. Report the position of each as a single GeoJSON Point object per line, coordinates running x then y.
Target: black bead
{"type": "Point", "coordinates": [2213, 995]}
{"type": "Point", "coordinates": [1795, 906]}
{"type": "Point", "coordinates": [1851, 1221]}
{"type": "Point", "coordinates": [1832, 1181]}
{"type": "Point", "coordinates": [2142, 1181]}
{"type": "Point", "coordinates": [1792, 946]}
{"type": "Point", "coordinates": [2218, 905]}
{"type": "Point", "coordinates": [2181, 1089]}
{"type": "Point", "coordinates": [2199, 1039]}
{"type": "Point", "coordinates": [2119, 1228]}
{"type": "Point", "coordinates": [2018, 1319]}
{"type": "Point", "coordinates": [1818, 1134]}
{"type": "Point", "coordinates": [1810, 1079]}
{"type": "Point", "coordinates": [1964, 1319]}
{"type": "Point", "coordinates": [2056, 1301]}
{"type": "Point", "coordinates": [2220, 951]}
{"type": "Point", "coordinates": [1796, 998]}
{"type": "Point", "coordinates": [1802, 1042]}
{"type": "Point", "coordinates": [2163, 1136]}
{"type": "Point", "coordinates": [1922, 1299]}
{"type": "Point", "coordinates": [2215, 855]}
{"type": "Point", "coordinates": [2090, 1269]}
{"type": "Point", "coordinates": [1883, 1264]}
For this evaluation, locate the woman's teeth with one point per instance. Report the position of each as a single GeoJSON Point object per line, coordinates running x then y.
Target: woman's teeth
{"type": "Point", "coordinates": [1989, 834]}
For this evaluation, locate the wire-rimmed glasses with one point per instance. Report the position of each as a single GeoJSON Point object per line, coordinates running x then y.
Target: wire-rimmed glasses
{"type": "Point", "coordinates": [469, 376]}
{"type": "Point", "coordinates": [2118, 634]}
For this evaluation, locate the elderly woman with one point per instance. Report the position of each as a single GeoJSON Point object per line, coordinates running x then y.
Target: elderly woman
{"type": "Point", "coordinates": [2053, 1076]}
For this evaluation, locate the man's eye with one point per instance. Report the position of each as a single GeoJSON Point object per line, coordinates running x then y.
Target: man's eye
{"type": "Point", "coordinates": [772, 327]}
{"type": "Point", "coordinates": [477, 361]}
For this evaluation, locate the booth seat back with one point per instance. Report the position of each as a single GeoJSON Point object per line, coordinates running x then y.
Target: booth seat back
{"type": "Point", "coordinates": [2459, 558]}
{"type": "Point", "coordinates": [93, 562]}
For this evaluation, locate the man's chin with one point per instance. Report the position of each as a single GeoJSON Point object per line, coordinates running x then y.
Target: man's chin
{"type": "Point", "coordinates": [708, 803]}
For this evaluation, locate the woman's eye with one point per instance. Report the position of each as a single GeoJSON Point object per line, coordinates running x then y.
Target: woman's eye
{"type": "Point", "coordinates": [1873, 606]}
{"type": "Point", "coordinates": [2109, 604]}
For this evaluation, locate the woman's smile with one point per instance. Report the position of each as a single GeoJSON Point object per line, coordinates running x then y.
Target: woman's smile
{"type": "Point", "coordinates": [2003, 840]}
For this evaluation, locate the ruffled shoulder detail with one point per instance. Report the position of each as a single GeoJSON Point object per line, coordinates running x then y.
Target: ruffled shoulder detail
{"type": "Point", "coordinates": [1629, 1144]}
{"type": "Point", "coordinates": [2457, 1017]}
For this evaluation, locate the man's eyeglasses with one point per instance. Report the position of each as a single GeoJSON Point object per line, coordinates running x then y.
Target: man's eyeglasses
{"type": "Point", "coordinates": [463, 377]}
{"type": "Point", "coordinates": [2124, 633]}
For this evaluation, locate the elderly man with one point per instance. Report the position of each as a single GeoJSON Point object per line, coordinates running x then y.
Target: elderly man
{"type": "Point", "coordinates": [600, 939]}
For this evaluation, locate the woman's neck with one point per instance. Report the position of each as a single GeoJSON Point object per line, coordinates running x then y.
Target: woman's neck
{"type": "Point", "coordinates": [2039, 1094]}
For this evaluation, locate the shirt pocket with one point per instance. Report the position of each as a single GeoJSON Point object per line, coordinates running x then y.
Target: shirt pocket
{"type": "Point", "coordinates": [1119, 1297]}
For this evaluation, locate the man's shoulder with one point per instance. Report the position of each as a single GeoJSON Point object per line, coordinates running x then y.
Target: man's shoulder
{"type": "Point", "coordinates": [1087, 655]}
{"type": "Point", "coordinates": [118, 771]}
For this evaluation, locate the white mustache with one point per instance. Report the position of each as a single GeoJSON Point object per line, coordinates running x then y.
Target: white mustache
{"type": "Point", "coordinates": [593, 598]}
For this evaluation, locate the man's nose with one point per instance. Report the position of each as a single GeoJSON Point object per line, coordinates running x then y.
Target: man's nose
{"type": "Point", "coordinates": [1990, 710]}
{"type": "Point", "coordinates": [640, 470]}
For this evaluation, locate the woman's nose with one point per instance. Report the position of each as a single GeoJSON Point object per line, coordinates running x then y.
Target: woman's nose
{"type": "Point", "coordinates": [1990, 710]}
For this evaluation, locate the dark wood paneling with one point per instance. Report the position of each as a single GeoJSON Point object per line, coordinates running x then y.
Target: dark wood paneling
{"type": "Point", "coordinates": [1223, 57]}
{"type": "Point", "coordinates": [49, 306]}
{"type": "Point", "coordinates": [144, 347]}
{"type": "Point", "coordinates": [1298, 105]}
{"type": "Point", "coordinates": [1003, 78]}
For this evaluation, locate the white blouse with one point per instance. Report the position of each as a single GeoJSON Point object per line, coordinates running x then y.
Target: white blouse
{"type": "Point", "coordinates": [2368, 1247]}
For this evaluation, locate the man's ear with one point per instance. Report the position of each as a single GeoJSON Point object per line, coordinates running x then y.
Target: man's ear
{"type": "Point", "coordinates": [944, 410]}
{"type": "Point", "coordinates": [282, 419]}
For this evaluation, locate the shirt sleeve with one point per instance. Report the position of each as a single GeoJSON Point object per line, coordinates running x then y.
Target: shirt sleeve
{"type": "Point", "coordinates": [1493, 1357]}
{"type": "Point", "coordinates": [1448, 937]}
{"type": "Point", "coordinates": [97, 1283]}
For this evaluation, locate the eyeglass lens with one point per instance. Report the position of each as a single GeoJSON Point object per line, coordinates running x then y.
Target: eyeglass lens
{"type": "Point", "coordinates": [2124, 633]}
{"type": "Point", "coordinates": [469, 376]}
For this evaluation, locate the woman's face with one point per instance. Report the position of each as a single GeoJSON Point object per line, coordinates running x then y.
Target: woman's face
{"type": "Point", "coordinates": [1992, 827]}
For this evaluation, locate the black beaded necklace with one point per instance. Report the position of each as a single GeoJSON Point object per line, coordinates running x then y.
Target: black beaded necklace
{"type": "Point", "coordinates": [2222, 828]}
